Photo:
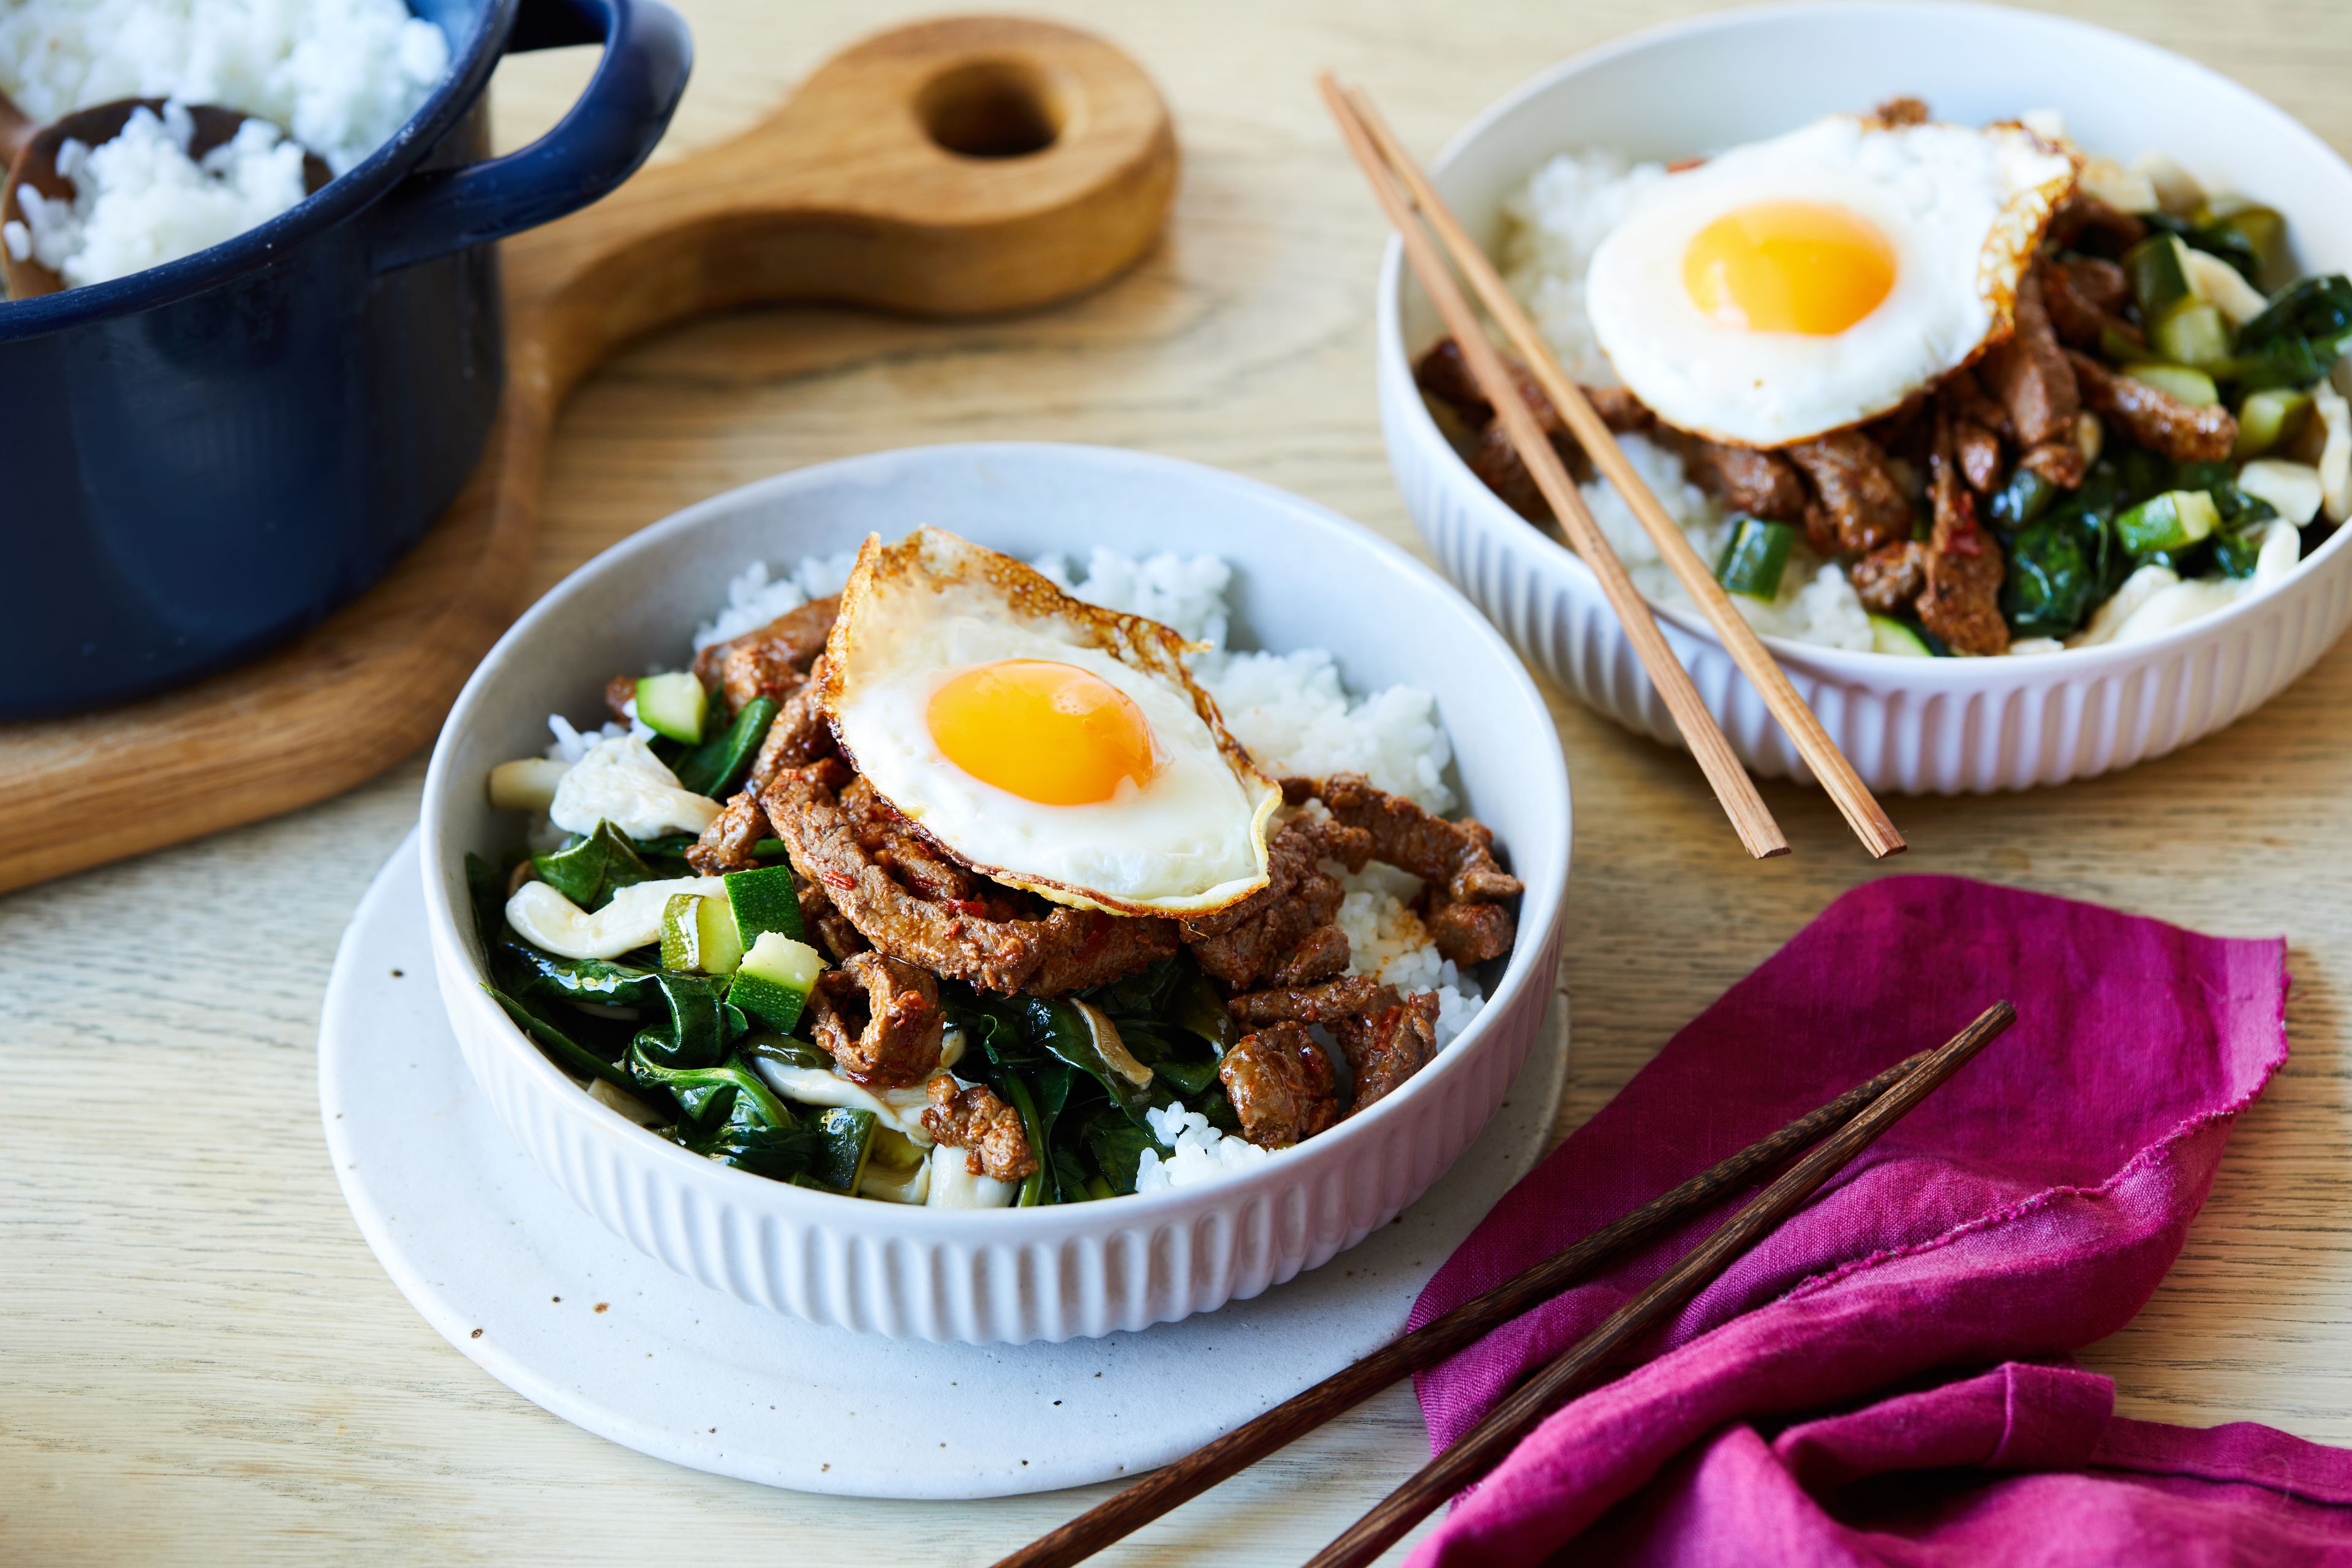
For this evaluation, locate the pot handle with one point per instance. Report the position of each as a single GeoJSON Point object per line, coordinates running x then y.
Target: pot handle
{"type": "Point", "coordinates": [621, 115]}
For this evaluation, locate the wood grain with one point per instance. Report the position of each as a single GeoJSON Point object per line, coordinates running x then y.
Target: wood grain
{"type": "Point", "coordinates": [856, 190]}
{"type": "Point", "coordinates": [205, 1364]}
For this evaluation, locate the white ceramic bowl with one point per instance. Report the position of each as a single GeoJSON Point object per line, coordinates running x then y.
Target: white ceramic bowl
{"type": "Point", "coordinates": [1908, 725]}
{"type": "Point", "coordinates": [1304, 577]}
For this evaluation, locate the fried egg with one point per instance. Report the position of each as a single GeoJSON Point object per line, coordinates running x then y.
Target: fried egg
{"type": "Point", "coordinates": [1796, 286]}
{"type": "Point", "coordinates": [1044, 741]}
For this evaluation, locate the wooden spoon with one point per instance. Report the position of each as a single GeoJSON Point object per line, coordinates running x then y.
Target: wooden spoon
{"type": "Point", "coordinates": [35, 163]}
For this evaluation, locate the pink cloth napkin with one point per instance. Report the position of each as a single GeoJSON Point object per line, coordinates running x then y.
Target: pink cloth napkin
{"type": "Point", "coordinates": [1863, 1388]}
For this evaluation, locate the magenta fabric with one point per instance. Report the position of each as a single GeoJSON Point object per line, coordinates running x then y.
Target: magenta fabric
{"type": "Point", "coordinates": [1872, 1384]}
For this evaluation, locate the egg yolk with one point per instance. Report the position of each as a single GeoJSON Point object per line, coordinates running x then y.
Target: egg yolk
{"type": "Point", "coordinates": [1049, 733]}
{"type": "Point", "coordinates": [1789, 266]}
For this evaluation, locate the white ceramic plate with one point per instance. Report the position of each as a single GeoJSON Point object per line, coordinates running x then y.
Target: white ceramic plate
{"type": "Point", "coordinates": [1910, 725]}
{"type": "Point", "coordinates": [477, 1238]}
{"type": "Point", "coordinates": [1305, 577]}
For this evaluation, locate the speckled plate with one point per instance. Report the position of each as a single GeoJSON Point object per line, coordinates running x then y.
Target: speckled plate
{"type": "Point", "coordinates": [579, 1321]}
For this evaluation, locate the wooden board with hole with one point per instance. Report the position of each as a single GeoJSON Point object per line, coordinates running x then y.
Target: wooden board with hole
{"type": "Point", "coordinates": [966, 166]}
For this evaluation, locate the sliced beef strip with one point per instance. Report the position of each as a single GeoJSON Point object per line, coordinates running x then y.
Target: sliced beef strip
{"type": "Point", "coordinates": [2084, 222]}
{"type": "Point", "coordinates": [1495, 463]}
{"type": "Point", "coordinates": [2059, 462]}
{"type": "Point", "coordinates": [619, 692]}
{"type": "Point", "coordinates": [1444, 372]}
{"type": "Point", "coordinates": [2082, 297]}
{"type": "Point", "coordinates": [896, 1043]}
{"type": "Point", "coordinates": [1467, 933]}
{"type": "Point", "coordinates": [1904, 110]}
{"type": "Point", "coordinates": [726, 845]}
{"type": "Point", "coordinates": [1321, 953]}
{"type": "Point", "coordinates": [1239, 943]}
{"type": "Point", "coordinates": [827, 926]}
{"type": "Point", "coordinates": [1322, 1003]}
{"type": "Point", "coordinates": [2028, 374]}
{"type": "Point", "coordinates": [1978, 450]}
{"type": "Point", "coordinates": [792, 641]}
{"type": "Point", "coordinates": [1281, 1084]}
{"type": "Point", "coordinates": [1458, 855]}
{"type": "Point", "coordinates": [1388, 1044]}
{"type": "Point", "coordinates": [989, 1132]}
{"type": "Point", "coordinates": [1961, 600]}
{"type": "Point", "coordinates": [897, 846]}
{"type": "Point", "coordinates": [801, 734]}
{"type": "Point", "coordinates": [1889, 578]}
{"type": "Point", "coordinates": [1741, 478]}
{"type": "Point", "coordinates": [1861, 506]}
{"type": "Point", "coordinates": [947, 938]}
{"type": "Point", "coordinates": [2155, 418]}
{"type": "Point", "coordinates": [1103, 948]}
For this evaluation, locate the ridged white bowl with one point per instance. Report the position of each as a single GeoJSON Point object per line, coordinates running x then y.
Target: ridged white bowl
{"type": "Point", "coordinates": [1909, 725]}
{"type": "Point", "coordinates": [1304, 577]}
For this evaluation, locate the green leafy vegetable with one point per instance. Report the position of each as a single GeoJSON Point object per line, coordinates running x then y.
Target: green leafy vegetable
{"type": "Point", "coordinates": [589, 870]}
{"type": "Point", "coordinates": [718, 765]}
{"type": "Point", "coordinates": [568, 1052]}
{"type": "Point", "coordinates": [698, 1030]}
{"type": "Point", "coordinates": [709, 1096]}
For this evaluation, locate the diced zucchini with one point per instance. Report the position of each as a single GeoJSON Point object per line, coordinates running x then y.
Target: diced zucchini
{"type": "Point", "coordinates": [526, 784]}
{"type": "Point", "coordinates": [2158, 270]}
{"type": "Point", "coordinates": [2268, 418]}
{"type": "Point", "coordinates": [2192, 332]}
{"type": "Point", "coordinates": [774, 981]}
{"type": "Point", "coordinates": [2259, 231]}
{"type": "Point", "coordinates": [698, 935]}
{"type": "Point", "coordinates": [673, 705]}
{"type": "Point", "coordinates": [1755, 557]}
{"type": "Point", "coordinates": [2171, 522]}
{"type": "Point", "coordinates": [2193, 387]}
{"type": "Point", "coordinates": [1888, 635]}
{"type": "Point", "coordinates": [764, 900]}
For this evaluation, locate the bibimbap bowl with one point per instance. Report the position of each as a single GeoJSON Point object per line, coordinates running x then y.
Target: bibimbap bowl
{"type": "Point", "coordinates": [1302, 578]}
{"type": "Point", "coordinates": [1910, 724]}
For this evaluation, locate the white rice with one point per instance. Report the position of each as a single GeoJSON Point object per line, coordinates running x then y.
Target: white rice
{"type": "Point", "coordinates": [140, 200]}
{"type": "Point", "coordinates": [1197, 1152]}
{"type": "Point", "coordinates": [753, 598]}
{"type": "Point", "coordinates": [341, 75]}
{"type": "Point", "coordinates": [1552, 226]}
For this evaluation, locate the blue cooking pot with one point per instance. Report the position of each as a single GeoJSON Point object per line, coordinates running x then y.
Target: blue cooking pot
{"type": "Point", "coordinates": [202, 460]}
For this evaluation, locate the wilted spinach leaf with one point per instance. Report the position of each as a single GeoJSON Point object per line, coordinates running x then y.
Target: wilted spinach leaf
{"type": "Point", "coordinates": [589, 870]}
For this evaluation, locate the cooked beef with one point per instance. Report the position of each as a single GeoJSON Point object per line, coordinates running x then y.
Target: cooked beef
{"type": "Point", "coordinates": [987, 1129]}
{"type": "Point", "coordinates": [1100, 948]}
{"type": "Point", "coordinates": [753, 670]}
{"type": "Point", "coordinates": [1495, 463]}
{"type": "Point", "coordinates": [789, 642]}
{"type": "Point", "coordinates": [1467, 933]}
{"type": "Point", "coordinates": [967, 940]}
{"type": "Point", "coordinates": [2059, 462]}
{"type": "Point", "coordinates": [1961, 600]}
{"type": "Point", "coordinates": [879, 1019]}
{"type": "Point", "coordinates": [1619, 408]}
{"type": "Point", "coordinates": [799, 735]}
{"type": "Point", "coordinates": [1281, 1085]}
{"type": "Point", "coordinates": [2082, 297]}
{"type": "Point", "coordinates": [1741, 478]}
{"type": "Point", "coordinates": [1388, 1044]}
{"type": "Point", "coordinates": [2155, 418]}
{"type": "Point", "coordinates": [1978, 452]}
{"type": "Point", "coordinates": [900, 847]}
{"type": "Point", "coordinates": [1860, 507]}
{"type": "Point", "coordinates": [2084, 222]}
{"type": "Point", "coordinates": [619, 692]}
{"type": "Point", "coordinates": [1889, 578]}
{"type": "Point", "coordinates": [1240, 942]}
{"type": "Point", "coordinates": [1444, 372]}
{"type": "Point", "coordinates": [1905, 111]}
{"type": "Point", "coordinates": [1458, 855]}
{"type": "Point", "coordinates": [1310, 1004]}
{"type": "Point", "coordinates": [1321, 953]}
{"type": "Point", "coordinates": [2028, 374]}
{"type": "Point", "coordinates": [726, 845]}
{"type": "Point", "coordinates": [827, 926]}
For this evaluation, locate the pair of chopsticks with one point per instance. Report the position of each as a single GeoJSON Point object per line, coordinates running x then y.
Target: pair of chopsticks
{"type": "Point", "coordinates": [1845, 1127]}
{"type": "Point", "coordinates": [1404, 190]}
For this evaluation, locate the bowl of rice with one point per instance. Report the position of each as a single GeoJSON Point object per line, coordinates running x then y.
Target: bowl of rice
{"type": "Point", "coordinates": [1445, 717]}
{"type": "Point", "coordinates": [2167, 647]}
{"type": "Point", "coordinates": [250, 399]}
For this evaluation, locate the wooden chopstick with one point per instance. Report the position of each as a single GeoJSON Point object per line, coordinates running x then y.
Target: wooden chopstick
{"type": "Point", "coordinates": [1486, 1445]}
{"type": "Point", "coordinates": [1119, 1516]}
{"type": "Point", "coordinates": [1838, 778]}
{"type": "Point", "coordinates": [1750, 819]}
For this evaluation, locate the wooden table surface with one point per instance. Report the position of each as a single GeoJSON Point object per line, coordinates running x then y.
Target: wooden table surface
{"type": "Point", "coordinates": [200, 1361]}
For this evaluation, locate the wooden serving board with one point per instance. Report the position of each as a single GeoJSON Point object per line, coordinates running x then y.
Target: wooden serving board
{"type": "Point", "coordinates": [965, 167]}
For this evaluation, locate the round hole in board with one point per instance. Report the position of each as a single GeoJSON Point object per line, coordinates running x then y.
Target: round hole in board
{"type": "Point", "coordinates": [992, 108]}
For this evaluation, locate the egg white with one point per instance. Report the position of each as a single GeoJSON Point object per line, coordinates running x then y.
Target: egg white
{"type": "Point", "coordinates": [1190, 839]}
{"type": "Point", "coordinates": [1962, 209]}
